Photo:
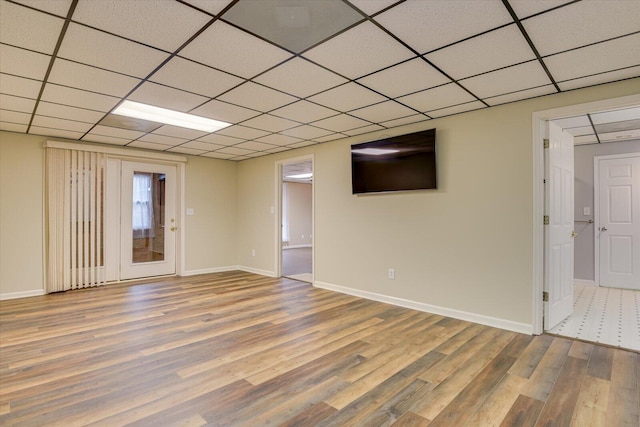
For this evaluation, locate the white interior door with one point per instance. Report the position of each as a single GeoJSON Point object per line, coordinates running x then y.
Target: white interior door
{"type": "Point", "coordinates": [559, 233]}
{"type": "Point", "coordinates": [619, 222]}
{"type": "Point", "coordinates": [148, 220]}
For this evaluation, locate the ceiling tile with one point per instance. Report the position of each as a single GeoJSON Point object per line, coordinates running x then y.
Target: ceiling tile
{"type": "Point", "coordinates": [222, 140]}
{"type": "Point", "coordinates": [234, 151]}
{"type": "Point", "coordinates": [23, 63]}
{"type": "Point", "coordinates": [582, 23]}
{"type": "Point", "coordinates": [29, 29]}
{"type": "Point", "coordinates": [199, 145]}
{"type": "Point", "coordinates": [408, 77]}
{"type": "Point", "coordinates": [14, 117]}
{"type": "Point", "coordinates": [306, 132]}
{"type": "Point", "coordinates": [580, 131]}
{"type": "Point", "coordinates": [620, 135]}
{"type": "Point", "coordinates": [302, 144]}
{"type": "Point", "coordinates": [187, 75]}
{"type": "Point", "coordinates": [363, 130]}
{"type": "Point", "coordinates": [66, 112]}
{"type": "Point", "coordinates": [64, 124]}
{"type": "Point", "coordinates": [372, 6]}
{"type": "Point", "coordinates": [116, 132]}
{"type": "Point", "coordinates": [18, 86]}
{"type": "Point", "coordinates": [230, 49]}
{"type": "Point", "coordinates": [78, 98]}
{"type": "Point", "coordinates": [254, 145]}
{"type": "Point", "coordinates": [258, 97]}
{"type": "Point", "coordinates": [428, 25]}
{"type": "Point", "coordinates": [304, 111]}
{"type": "Point", "coordinates": [612, 55]}
{"type": "Point", "coordinates": [622, 115]}
{"type": "Point", "coordinates": [487, 52]}
{"type": "Point", "coordinates": [218, 155]}
{"type": "Point", "coordinates": [162, 140]}
{"type": "Point", "coordinates": [270, 123]}
{"type": "Point", "coordinates": [404, 120]}
{"type": "Point", "coordinates": [612, 76]}
{"type": "Point", "coordinates": [80, 76]}
{"type": "Point", "coordinates": [456, 109]}
{"type": "Point", "coordinates": [211, 6]}
{"type": "Point", "coordinates": [13, 127]}
{"type": "Point", "coordinates": [347, 97]}
{"type": "Point", "coordinates": [586, 139]}
{"type": "Point", "coordinates": [147, 145]}
{"type": "Point", "coordinates": [436, 98]}
{"type": "Point", "coordinates": [36, 130]}
{"type": "Point", "coordinates": [507, 80]}
{"type": "Point", "coordinates": [382, 112]}
{"type": "Point", "coordinates": [359, 51]}
{"type": "Point", "coordinates": [278, 139]}
{"type": "Point", "coordinates": [91, 137]}
{"type": "Point", "coordinates": [277, 150]}
{"type": "Point", "coordinates": [573, 122]}
{"type": "Point", "coordinates": [243, 132]}
{"type": "Point", "coordinates": [17, 103]}
{"type": "Point", "coordinates": [526, 8]}
{"type": "Point", "coordinates": [295, 26]}
{"type": "Point", "coordinates": [224, 111]}
{"type": "Point", "coordinates": [166, 25]}
{"type": "Point", "coordinates": [102, 50]}
{"type": "Point", "coordinates": [179, 132]}
{"type": "Point", "coordinates": [300, 77]}
{"type": "Point", "coordinates": [331, 137]}
{"type": "Point", "coordinates": [523, 94]}
{"type": "Point", "coordinates": [185, 150]}
{"type": "Point", "coordinates": [166, 97]}
{"type": "Point", "coordinates": [57, 7]}
{"type": "Point", "coordinates": [340, 122]}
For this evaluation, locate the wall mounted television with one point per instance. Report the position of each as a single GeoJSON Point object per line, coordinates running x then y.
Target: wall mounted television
{"type": "Point", "coordinates": [400, 163]}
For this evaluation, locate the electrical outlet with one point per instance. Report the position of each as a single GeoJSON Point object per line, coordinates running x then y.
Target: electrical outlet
{"type": "Point", "coordinates": [392, 273]}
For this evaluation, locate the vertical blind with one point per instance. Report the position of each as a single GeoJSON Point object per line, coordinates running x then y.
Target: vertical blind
{"type": "Point", "coordinates": [75, 212]}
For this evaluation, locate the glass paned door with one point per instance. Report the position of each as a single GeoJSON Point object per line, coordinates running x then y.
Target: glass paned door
{"type": "Point", "coordinates": [148, 227]}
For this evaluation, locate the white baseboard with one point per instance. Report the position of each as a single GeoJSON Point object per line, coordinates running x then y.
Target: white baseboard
{"type": "Point", "coordinates": [256, 271]}
{"type": "Point", "coordinates": [296, 247]}
{"type": "Point", "coordinates": [211, 270]}
{"type": "Point", "coordinates": [495, 322]}
{"type": "Point", "coordinates": [584, 282]}
{"type": "Point", "coordinates": [24, 294]}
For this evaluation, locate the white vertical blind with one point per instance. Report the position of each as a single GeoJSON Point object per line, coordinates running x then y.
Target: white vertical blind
{"type": "Point", "coordinates": [75, 199]}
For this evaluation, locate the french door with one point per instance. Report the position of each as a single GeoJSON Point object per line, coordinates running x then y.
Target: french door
{"type": "Point", "coordinates": [141, 219]}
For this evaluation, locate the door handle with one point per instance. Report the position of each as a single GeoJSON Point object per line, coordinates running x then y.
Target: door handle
{"type": "Point", "coordinates": [574, 234]}
{"type": "Point", "coordinates": [173, 228]}
{"type": "Point", "coordinates": [603, 228]}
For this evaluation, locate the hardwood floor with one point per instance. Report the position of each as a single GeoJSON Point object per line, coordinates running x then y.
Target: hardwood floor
{"type": "Point", "coordinates": [233, 349]}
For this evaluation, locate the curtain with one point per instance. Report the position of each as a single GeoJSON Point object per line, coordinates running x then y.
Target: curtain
{"type": "Point", "coordinates": [142, 205]}
{"type": "Point", "coordinates": [285, 213]}
{"type": "Point", "coordinates": [74, 219]}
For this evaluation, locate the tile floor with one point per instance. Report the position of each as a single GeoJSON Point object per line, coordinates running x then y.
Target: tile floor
{"type": "Point", "coordinates": [604, 315]}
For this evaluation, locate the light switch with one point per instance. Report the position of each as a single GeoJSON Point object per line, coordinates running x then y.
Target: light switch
{"type": "Point", "coordinates": [586, 211]}
{"type": "Point", "coordinates": [189, 211]}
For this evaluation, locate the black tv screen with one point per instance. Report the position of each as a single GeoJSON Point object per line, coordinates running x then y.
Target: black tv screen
{"type": "Point", "coordinates": [399, 163]}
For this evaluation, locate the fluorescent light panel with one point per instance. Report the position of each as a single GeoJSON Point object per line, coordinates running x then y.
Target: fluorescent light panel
{"type": "Point", "coordinates": [374, 151]}
{"type": "Point", "coordinates": [168, 117]}
{"type": "Point", "coordinates": [300, 176]}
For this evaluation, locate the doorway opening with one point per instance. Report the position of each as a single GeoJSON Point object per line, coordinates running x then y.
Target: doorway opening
{"type": "Point", "coordinates": [295, 184]}
{"type": "Point", "coordinates": [599, 307]}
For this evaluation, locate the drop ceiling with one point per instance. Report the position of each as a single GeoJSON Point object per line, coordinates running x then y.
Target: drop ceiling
{"type": "Point", "coordinates": [293, 73]}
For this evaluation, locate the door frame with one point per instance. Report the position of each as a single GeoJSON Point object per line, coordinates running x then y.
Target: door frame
{"type": "Point", "coordinates": [278, 214]}
{"type": "Point", "coordinates": [596, 208]}
{"type": "Point", "coordinates": [538, 132]}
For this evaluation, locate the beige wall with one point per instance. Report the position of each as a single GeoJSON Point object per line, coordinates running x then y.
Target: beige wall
{"type": "Point", "coordinates": [300, 203]}
{"type": "Point", "coordinates": [467, 246]}
{"type": "Point", "coordinates": [210, 189]}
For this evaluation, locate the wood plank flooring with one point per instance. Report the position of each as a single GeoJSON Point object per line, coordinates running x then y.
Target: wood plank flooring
{"type": "Point", "coordinates": [238, 349]}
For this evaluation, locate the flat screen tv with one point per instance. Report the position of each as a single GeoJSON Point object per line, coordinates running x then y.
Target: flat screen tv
{"type": "Point", "coordinates": [400, 163]}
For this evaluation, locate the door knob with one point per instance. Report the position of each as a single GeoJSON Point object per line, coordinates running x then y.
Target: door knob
{"type": "Point", "coordinates": [173, 228]}
{"type": "Point", "coordinates": [574, 234]}
{"type": "Point", "coordinates": [603, 228]}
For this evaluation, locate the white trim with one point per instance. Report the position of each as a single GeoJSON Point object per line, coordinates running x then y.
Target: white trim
{"type": "Point", "coordinates": [538, 119]}
{"type": "Point", "coordinates": [210, 270]}
{"type": "Point", "coordinates": [494, 322]}
{"type": "Point", "coordinates": [23, 294]}
{"type": "Point", "coordinates": [181, 261]}
{"type": "Point", "coordinates": [118, 151]}
{"type": "Point", "coordinates": [584, 282]}
{"type": "Point", "coordinates": [256, 271]}
{"type": "Point", "coordinates": [284, 248]}
{"type": "Point", "coordinates": [596, 208]}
